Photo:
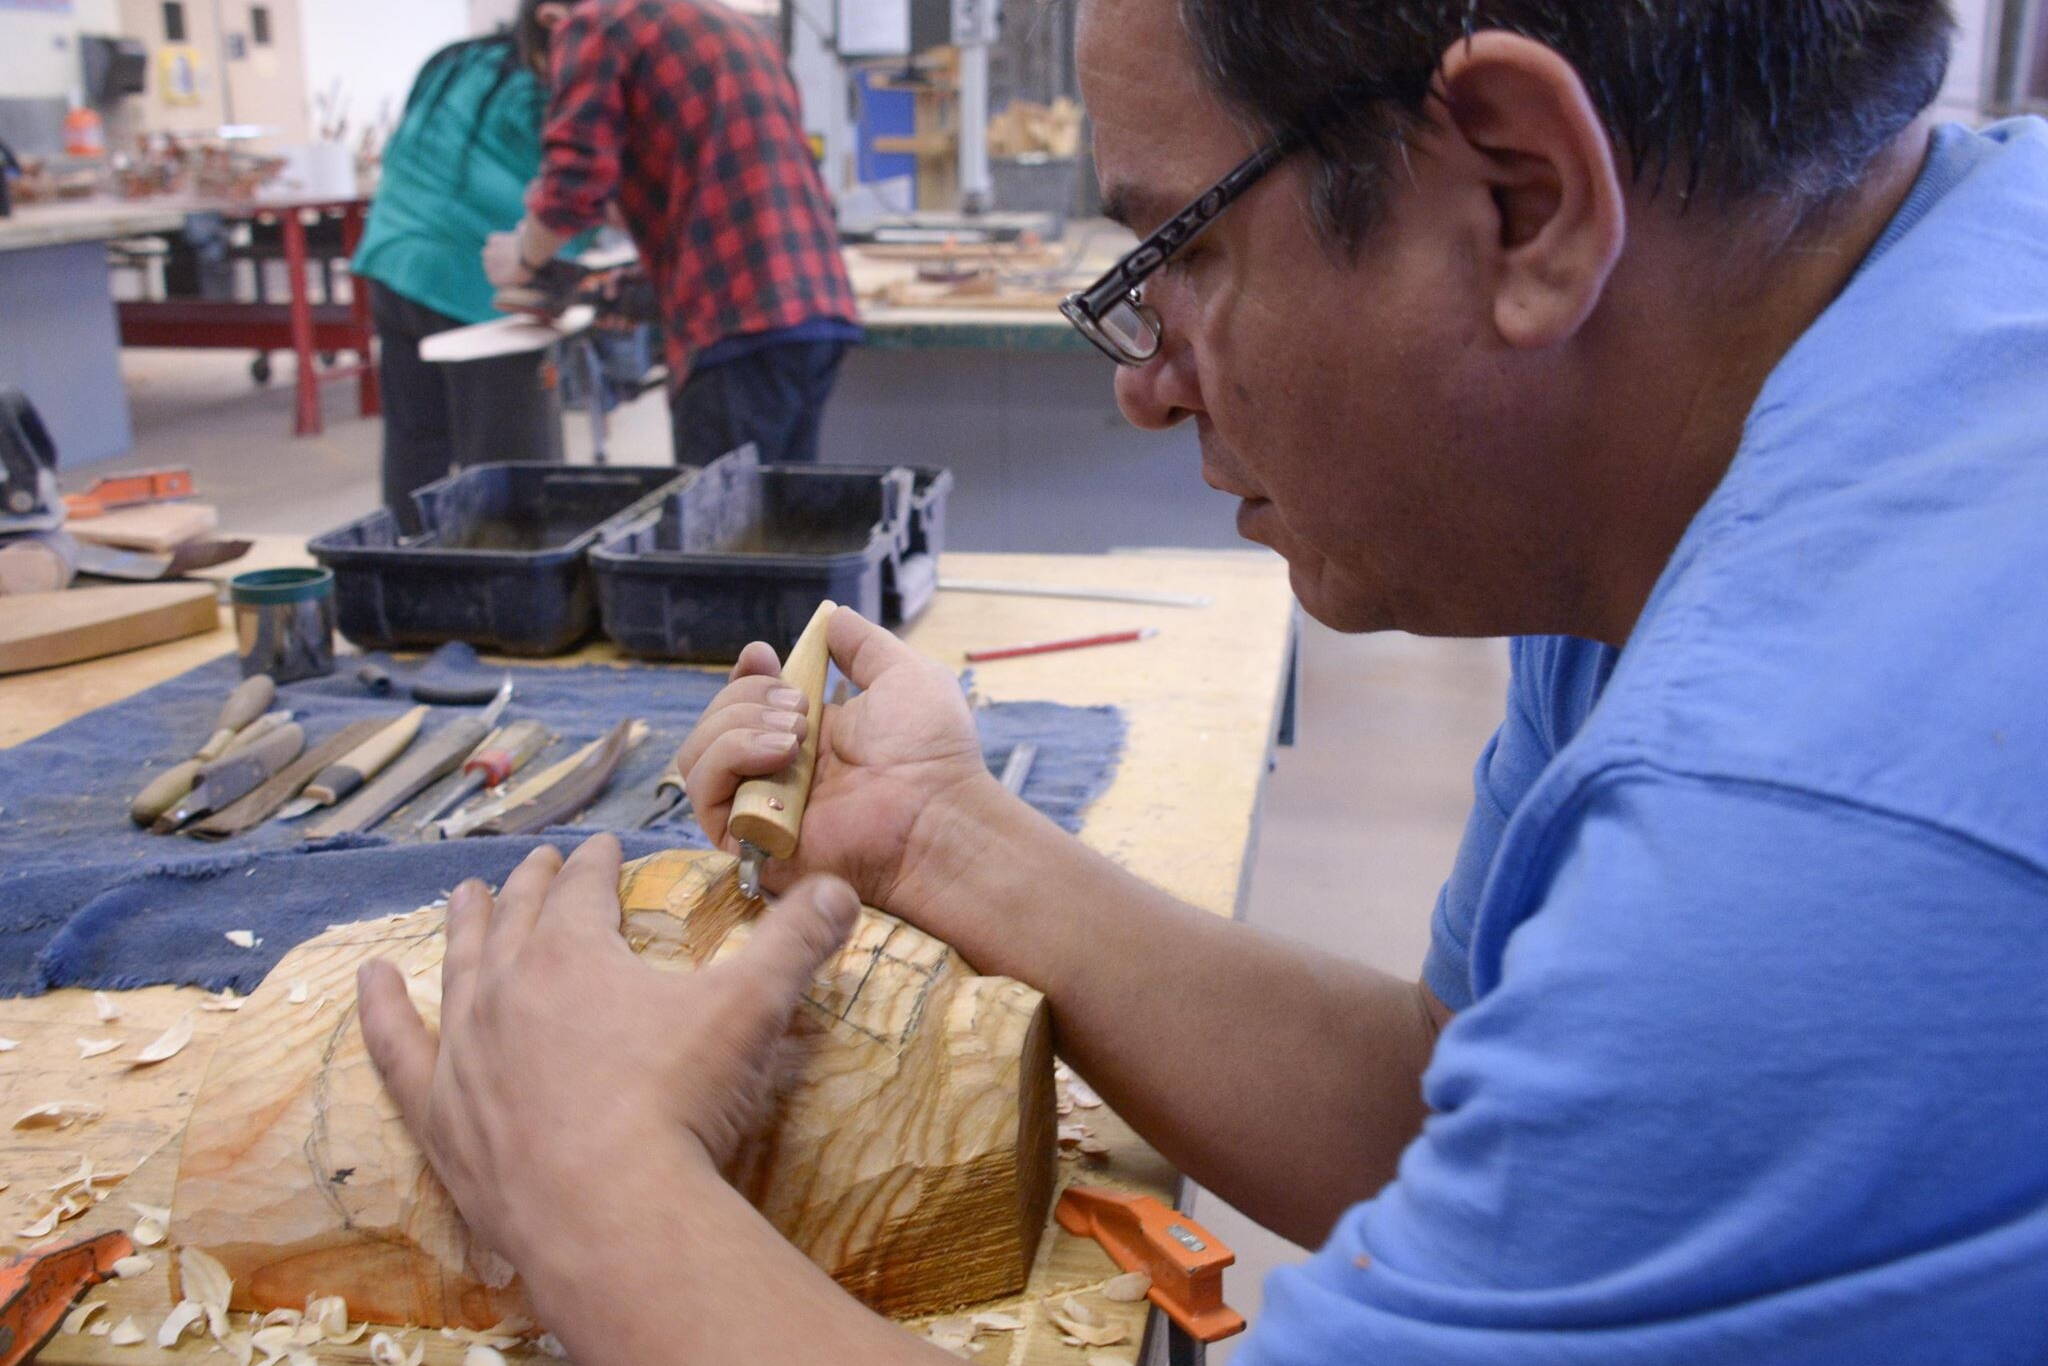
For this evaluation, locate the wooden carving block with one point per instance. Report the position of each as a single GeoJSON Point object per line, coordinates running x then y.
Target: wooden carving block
{"type": "Point", "coordinates": [911, 1153]}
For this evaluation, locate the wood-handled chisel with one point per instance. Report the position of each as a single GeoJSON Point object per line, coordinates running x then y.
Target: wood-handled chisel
{"type": "Point", "coordinates": [767, 813]}
{"type": "Point", "coordinates": [173, 783]}
{"type": "Point", "coordinates": [426, 763]}
{"type": "Point", "coordinates": [247, 702]}
{"type": "Point", "coordinates": [234, 776]}
{"type": "Point", "coordinates": [497, 759]}
{"type": "Point", "coordinates": [572, 789]}
{"type": "Point", "coordinates": [670, 795]}
{"type": "Point", "coordinates": [340, 779]}
{"type": "Point", "coordinates": [245, 705]}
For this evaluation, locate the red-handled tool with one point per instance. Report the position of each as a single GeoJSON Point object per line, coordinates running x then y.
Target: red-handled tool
{"type": "Point", "coordinates": [36, 1290]}
{"type": "Point", "coordinates": [1184, 1260]}
{"type": "Point", "coordinates": [499, 757]}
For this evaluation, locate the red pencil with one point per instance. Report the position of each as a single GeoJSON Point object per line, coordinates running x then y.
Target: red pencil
{"type": "Point", "coordinates": [1048, 647]}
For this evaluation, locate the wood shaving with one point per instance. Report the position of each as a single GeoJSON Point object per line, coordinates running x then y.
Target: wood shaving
{"type": "Point", "coordinates": [480, 1355]}
{"type": "Point", "coordinates": [1084, 1094]}
{"type": "Point", "coordinates": [9, 1045]}
{"type": "Point", "coordinates": [1128, 1288]}
{"type": "Point", "coordinates": [552, 1346]}
{"type": "Point", "coordinates": [125, 1333]}
{"type": "Point", "coordinates": [950, 1334]}
{"type": "Point", "coordinates": [81, 1177]}
{"type": "Point", "coordinates": [178, 1322]}
{"type": "Point", "coordinates": [1087, 1335]}
{"type": "Point", "coordinates": [130, 1267]}
{"type": "Point", "coordinates": [328, 1313]}
{"type": "Point", "coordinates": [1073, 1135]}
{"type": "Point", "coordinates": [998, 1323]}
{"type": "Point", "coordinates": [92, 1048]}
{"type": "Point", "coordinates": [241, 1347]}
{"type": "Point", "coordinates": [75, 1321]}
{"type": "Point", "coordinates": [273, 1341]}
{"type": "Point", "coordinates": [43, 1227]}
{"type": "Point", "coordinates": [104, 1007]}
{"type": "Point", "coordinates": [167, 1044]}
{"type": "Point", "coordinates": [1079, 1312]}
{"type": "Point", "coordinates": [226, 1000]}
{"type": "Point", "coordinates": [299, 992]}
{"type": "Point", "coordinates": [58, 1114]}
{"type": "Point", "coordinates": [100, 1328]}
{"type": "Point", "coordinates": [385, 1351]}
{"type": "Point", "coordinates": [1093, 1147]}
{"type": "Point", "coordinates": [243, 939]}
{"type": "Point", "coordinates": [73, 1204]}
{"type": "Point", "coordinates": [154, 1224]}
{"type": "Point", "coordinates": [204, 1279]}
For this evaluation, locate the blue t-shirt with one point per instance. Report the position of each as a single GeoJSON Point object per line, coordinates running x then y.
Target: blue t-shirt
{"type": "Point", "coordinates": [1749, 938]}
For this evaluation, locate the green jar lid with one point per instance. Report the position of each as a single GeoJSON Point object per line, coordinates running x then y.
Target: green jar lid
{"type": "Point", "coordinates": [265, 587]}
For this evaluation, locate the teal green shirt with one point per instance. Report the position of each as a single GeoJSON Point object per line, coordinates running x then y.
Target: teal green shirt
{"type": "Point", "coordinates": [443, 191]}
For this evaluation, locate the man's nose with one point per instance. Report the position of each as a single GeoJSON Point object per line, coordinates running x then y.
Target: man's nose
{"type": "Point", "coordinates": [1160, 394]}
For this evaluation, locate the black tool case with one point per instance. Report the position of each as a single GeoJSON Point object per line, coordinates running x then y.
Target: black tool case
{"type": "Point", "coordinates": [746, 552]}
{"type": "Point", "coordinates": [501, 563]}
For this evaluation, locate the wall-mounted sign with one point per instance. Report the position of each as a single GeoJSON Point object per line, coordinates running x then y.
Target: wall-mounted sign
{"type": "Point", "coordinates": [178, 73]}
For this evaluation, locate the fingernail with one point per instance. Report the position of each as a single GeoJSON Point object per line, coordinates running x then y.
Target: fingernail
{"type": "Point", "coordinates": [782, 720]}
{"type": "Point", "coordinates": [787, 699]}
{"type": "Point", "coordinates": [774, 746]}
{"type": "Point", "coordinates": [838, 901]}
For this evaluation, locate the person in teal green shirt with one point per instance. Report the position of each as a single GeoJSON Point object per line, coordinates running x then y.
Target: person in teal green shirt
{"type": "Point", "coordinates": [456, 171]}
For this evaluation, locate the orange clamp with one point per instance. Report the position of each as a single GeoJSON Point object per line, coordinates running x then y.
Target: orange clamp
{"type": "Point", "coordinates": [1184, 1260]}
{"type": "Point", "coordinates": [129, 490]}
{"type": "Point", "coordinates": [36, 1291]}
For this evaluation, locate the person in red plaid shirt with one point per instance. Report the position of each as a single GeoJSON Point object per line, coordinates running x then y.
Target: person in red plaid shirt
{"type": "Point", "coordinates": [683, 114]}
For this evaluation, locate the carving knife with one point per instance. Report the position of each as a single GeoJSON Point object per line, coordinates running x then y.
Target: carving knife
{"type": "Point", "coordinates": [173, 783]}
{"type": "Point", "coordinates": [497, 759]}
{"type": "Point", "coordinates": [669, 796]}
{"type": "Point", "coordinates": [425, 764]}
{"type": "Point", "coordinates": [577, 789]}
{"type": "Point", "coordinates": [1017, 768]}
{"type": "Point", "coordinates": [234, 776]}
{"type": "Point", "coordinates": [767, 813]}
{"type": "Point", "coordinates": [340, 779]}
{"type": "Point", "coordinates": [250, 699]}
{"type": "Point", "coordinates": [462, 823]}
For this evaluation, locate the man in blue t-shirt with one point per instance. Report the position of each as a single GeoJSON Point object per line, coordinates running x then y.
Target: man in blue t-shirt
{"type": "Point", "coordinates": [1670, 338]}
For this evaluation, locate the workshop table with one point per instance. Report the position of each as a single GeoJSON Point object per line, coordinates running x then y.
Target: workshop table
{"type": "Point", "coordinates": [1203, 699]}
{"type": "Point", "coordinates": [299, 325]}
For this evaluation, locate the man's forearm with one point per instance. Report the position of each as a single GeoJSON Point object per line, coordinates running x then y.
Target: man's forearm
{"type": "Point", "coordinates": [668, 1263]}
{"type": "Point", "coordinates": [1286, 1081]}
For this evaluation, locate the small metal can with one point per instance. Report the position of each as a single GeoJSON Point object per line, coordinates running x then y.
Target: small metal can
{"type": "Point", "coordinates": [284, 623]}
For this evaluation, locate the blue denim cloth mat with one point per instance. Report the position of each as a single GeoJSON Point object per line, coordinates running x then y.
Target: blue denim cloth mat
{"type": "Point", "coordinates": [88, 900]}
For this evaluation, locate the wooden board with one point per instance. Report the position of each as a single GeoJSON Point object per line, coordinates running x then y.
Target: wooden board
{"type": "Point", "coordinates": [158, 529]}
{"type": "Point", "coordinates": [505, 337]}
{"type": "Point", "coordinates": [910, 1154]}
{"type": "Point", "coordinates": [43, 630]}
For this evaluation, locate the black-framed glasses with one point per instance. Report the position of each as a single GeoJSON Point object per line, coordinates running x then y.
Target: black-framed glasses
{"type": "Point", "coordinates": [1112, 312]}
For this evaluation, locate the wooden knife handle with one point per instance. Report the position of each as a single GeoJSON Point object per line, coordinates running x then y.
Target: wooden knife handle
{"type": "Point", "coordinates": [166, 792]}
{"type": "Point", "coordinates": [248, 701]}
{"type": "Point", "coordinates": [768, 812]}
{"type": "Point", "coordinates": [366, 760]}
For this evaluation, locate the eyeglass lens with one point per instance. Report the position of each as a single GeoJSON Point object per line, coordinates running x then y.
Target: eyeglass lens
{"type": "Point", "coordinates": [1131, 330]}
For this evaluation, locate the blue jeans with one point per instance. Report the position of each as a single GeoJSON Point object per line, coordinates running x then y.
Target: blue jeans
{"type": "Point", "coordinates": [774, 398]}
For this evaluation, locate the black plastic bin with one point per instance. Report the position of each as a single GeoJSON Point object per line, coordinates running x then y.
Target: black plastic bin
{"type": "Point", "coordinates": [746, 552]}
{"type": "Point", "coordinates": [501, 563]}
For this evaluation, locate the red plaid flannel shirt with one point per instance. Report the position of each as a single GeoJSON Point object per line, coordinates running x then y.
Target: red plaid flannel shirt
{"type": "Point", "coordinates": [684, 112]}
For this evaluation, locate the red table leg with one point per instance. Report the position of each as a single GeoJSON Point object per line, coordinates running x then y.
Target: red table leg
{"type": "Point", "coordinates": [370, 398]}
{"type": "Point", "coordinates": [309, 423]}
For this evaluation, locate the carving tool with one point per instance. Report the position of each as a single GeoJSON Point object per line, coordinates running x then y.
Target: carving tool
{"type": "Point", "coordinates": [340, 779]}
{"type": "Point", "coordinates": [574, 791]}
{"type": "Point", "coordinates": [1017, 768]}
{"type": "Point", "coordinates": [166, 790]}
{"type": "Point", "coordinates": [247, 702]}
{"type": "Point", "coordinates": [767, 813]}
{"type": "Point", "coordinates": [234, 776]}
{"type": "Point", "coordinates": [37, 1290]}
{"type": "Point", "coordinates": [463, 822]}
{"type": "Point", "coordinates": [669, 795]}
{"type": "Point", "coordinates": [1048, 647]}
{"type": "Point", "coordinates": [425, 764]}
{"type": "Point", "coordinates": [498, 758]}
{"type": "Point", "coordinates": [1184, 1260]}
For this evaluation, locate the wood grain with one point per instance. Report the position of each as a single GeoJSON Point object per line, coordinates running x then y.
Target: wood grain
{"type": "Point", "coordinates": [910, 1153]}
{"type": "Point", "coordinates": [157, 529]}
{"type": "Point", "coordinates": [46, 630]}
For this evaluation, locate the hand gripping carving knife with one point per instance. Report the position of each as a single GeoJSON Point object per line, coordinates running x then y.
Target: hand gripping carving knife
{"type": "Point", "coordinates": [767, 813]}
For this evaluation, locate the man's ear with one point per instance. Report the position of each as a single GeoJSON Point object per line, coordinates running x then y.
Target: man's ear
{"type": "Point", "coordinates": [1549, 160]}
{"type": "Point", "coordinates": [550, 17]}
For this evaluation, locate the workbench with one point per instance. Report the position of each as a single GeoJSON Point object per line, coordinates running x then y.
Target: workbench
{"type": "Point", "coordinates": [1023, 410]}
{"type": "Point", "coordinates": [1203, 700]}
{"type": "Point", "coordinates": [58, 340]}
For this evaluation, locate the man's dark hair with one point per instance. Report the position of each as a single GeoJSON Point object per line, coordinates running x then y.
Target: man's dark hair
{"type": "Point", "coordinates": [1733, 99]}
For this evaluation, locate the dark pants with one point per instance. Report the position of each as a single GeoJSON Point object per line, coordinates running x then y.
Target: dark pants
{"type": "Point", "coordinates": [443, 417]}
{"type": "Point", "coordinates": [774, 398]}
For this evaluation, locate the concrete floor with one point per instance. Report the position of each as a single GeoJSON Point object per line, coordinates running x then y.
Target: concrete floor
{"type": "Point", "coordinates": [1361, 817]}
